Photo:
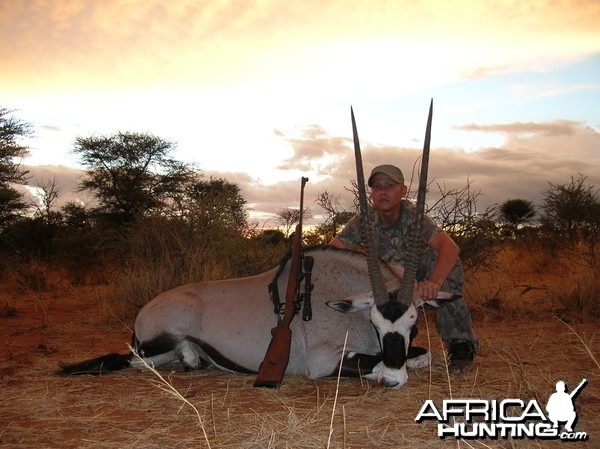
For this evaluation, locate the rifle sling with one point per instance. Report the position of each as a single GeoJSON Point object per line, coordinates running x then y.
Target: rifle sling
{"type": "Point", "coordinates": [273, 288]}
{"type": "Point", "coordinates": [274, 295]}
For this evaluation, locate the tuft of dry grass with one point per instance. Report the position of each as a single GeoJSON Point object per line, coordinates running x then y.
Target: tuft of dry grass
{"type": "Point", "coordinates": [579, 296]}
{"type": "Point", "coordinates": [529, 256]}
{"type": "Point", "coordinates": [168, 387]}
{"type": "Point", "coordinates": [586, 346]}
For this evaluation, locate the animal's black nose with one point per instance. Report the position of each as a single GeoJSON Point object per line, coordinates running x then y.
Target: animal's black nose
{"type": "Point", "coordinates": [389, 383]}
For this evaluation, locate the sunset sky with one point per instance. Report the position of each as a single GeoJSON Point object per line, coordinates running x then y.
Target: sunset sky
{"type": "Point", "coordinates": [259, 92]}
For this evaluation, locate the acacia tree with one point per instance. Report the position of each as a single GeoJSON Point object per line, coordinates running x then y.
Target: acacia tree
{"type": "Point", "coordinates": [12, 152]}
{"type": "Point", "coordinates": [286, 218]}
{"type": "Point", "coordinates": [516, 212]}
{"type": "Point", "coordinates": [131, 174]}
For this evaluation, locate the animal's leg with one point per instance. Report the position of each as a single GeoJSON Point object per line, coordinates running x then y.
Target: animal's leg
{"type": "Point", "coordinates": [368, 365]}
{"type": "Point", "coordinates": [189, 355]}
{"type": "Point", "coordinates": [357, 365]}
{"type": "Point", "coordinates": [418, 357]}
{"type": "Point", "coordinates": [155, 360]}
{"type": "Point", "coordinates": [158, 351]}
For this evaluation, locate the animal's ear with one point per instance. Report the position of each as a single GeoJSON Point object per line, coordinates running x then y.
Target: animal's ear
{"type": "Point", "coordinates": [354, 303]}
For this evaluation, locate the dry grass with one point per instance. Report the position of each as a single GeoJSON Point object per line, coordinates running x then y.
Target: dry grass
{"type": "Point", "coordinates": [520, 358]}
{"type": "Point", "coordinates": [529, 340]}
{"type": "Point", "coordinates": [532, 281]}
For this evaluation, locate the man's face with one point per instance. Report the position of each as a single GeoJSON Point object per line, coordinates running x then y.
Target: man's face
{"type": "Point", "coordinates": [385, 193]}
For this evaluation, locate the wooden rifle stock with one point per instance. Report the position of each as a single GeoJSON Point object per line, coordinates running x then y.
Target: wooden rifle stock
{"type": "Point", "coordinates": [272, 368]}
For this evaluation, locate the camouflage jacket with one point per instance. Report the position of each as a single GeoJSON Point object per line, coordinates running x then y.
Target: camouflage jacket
{"type": "Point", "coordinates": [392, 243]}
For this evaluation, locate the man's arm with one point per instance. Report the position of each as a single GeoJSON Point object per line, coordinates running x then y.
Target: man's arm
{"type": "Point", "coordinates": [350, 237]}
{"type": "Point", "coordinates": [448, 252]}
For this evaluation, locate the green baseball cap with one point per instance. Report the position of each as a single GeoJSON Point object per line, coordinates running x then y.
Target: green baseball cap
{"type": "Point", "coordinates": [392, 171]}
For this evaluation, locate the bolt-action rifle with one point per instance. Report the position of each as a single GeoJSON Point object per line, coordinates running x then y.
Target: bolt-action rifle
{"type": "Point", "coordinates": [272, 368]}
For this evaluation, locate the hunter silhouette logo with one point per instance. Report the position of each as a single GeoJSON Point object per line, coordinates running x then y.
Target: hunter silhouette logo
{"type": "Point", "coordinates": [560, 406]}
{"type": "Point", "coordinates": [507, 418]}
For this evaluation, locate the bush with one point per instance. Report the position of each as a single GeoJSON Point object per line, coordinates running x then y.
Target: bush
{"type": "Point", "coordinates": [161, 254]}
{"type": "Point", "coordinates": [580, 295]}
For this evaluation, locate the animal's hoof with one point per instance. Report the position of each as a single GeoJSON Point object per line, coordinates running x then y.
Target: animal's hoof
{"type": "Point", "coordinates": [418, 358]}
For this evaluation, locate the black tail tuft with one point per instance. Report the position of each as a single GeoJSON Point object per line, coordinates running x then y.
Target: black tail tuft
{"type": "Point", "coordinates": [99, 365]}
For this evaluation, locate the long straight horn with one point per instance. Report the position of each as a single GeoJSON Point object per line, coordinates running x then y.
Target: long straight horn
{"type": "Point", "coordinates": [377, 285]}
{"type": "Point", "coordinates": [415, 244]}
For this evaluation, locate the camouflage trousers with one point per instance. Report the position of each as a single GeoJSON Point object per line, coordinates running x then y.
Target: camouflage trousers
{"type": "Point", "coordinates": [453, 319]}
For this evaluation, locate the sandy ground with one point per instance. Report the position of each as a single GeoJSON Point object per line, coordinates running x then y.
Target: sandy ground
{"type": "Point", "coordinates": [519, 358]}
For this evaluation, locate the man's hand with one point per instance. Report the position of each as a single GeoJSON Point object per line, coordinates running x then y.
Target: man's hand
{"type": "Point", "coordinates": [428, 290]}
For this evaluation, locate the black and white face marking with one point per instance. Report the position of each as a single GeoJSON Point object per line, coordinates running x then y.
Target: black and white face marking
{"type": "Point", "coordinates": [394, 323]}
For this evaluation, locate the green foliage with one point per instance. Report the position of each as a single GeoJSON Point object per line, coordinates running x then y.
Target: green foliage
{"type": "Point", "coordinates": [163, 252]}
{"type": "Point", "coordinates": [30, 243]}
{"type": "Point", "coordinates": [156, 219]}
{"type": "Point", "coordinates": [12, 152]}
{"type": "Point", "coordinates": [11, 131]}
{"type": "Point", "coordinates": [517, 212]}
{"type": "Point", "coordinates": [271, 237]}
{"type": "Point", "coordinates": [75, 215]}
{"type": "Point", "coordinates": [29, 238]}
{"type": "Point", "coordinates": [131, 174]}
{"type": "Point", "coordinates": [215, 203]}
{"type": "Point", "coordinates": [12, 205]}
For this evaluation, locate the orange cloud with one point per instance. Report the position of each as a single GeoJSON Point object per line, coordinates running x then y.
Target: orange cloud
{"type": "Point", "coordinates": [65, 44]}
